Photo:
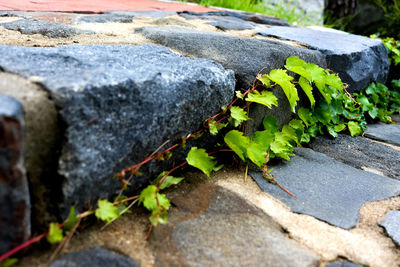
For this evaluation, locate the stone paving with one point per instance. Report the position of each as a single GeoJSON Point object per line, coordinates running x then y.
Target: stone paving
{"type": "Point", "coordinates": [102, 91]}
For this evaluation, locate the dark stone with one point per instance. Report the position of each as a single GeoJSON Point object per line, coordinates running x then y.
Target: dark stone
{"type": "Point", "coordinates": [392, 225]}
{"type": "Point", "coordinates": [141, 14]}
{"type": "Point", "coordinates": [212, 226]}
{"type": "Point", "coordinates": [358, 60]}
{"type": "Point", "coordinates": [342, 264]}
{"type": "Point", "coordinates": [119, 104]}
{"type": "Point", "coordinates": [231, 23]}
{"type": "Point", "coordinates": [51, 30]}
{"type": "Point", "coordinates": [360, 153]}
{"type": "Point", "coordinates": [14, 192]}
{"type": "Point", "coordinates": [246, 16]}
{"type": "Point", "coordinates": [388, 133]}
{"type": "Point", "coordinates": [95, 256]}
{"type": "Point", "coordinates": [104, 18]}
{"type": "Point", "coordinates": [245, 56]}
{"type": "Point", "coordinates": [325, 188]}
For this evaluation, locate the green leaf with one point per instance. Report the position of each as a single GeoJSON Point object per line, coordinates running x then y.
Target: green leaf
{"type": "Point", "coordinates": [284, 80]}
{"type": "Point", "coordinates": [239, 115]}
{"type": "Point", "coordinates": [306, 116]}
{"type": "Point", "coordinates": [339, 127]}
{"type": "Point", "coordinates": [263, 138]}
{"type": "Point", "coordinates": [307, 88]}
{"type": "Point", "coordinates": [8, 262]}
{"type": "Point", "coordinates": [354, 128]}
{"type": "Point", "coordinates": [334, 81]}
{"type": "Point", "coordinates": [55, 234]}
{"type": "Point", "coordinates": [215, 126]}
{"type": "Point", "coordinates": [237, 142]}
{"type": "Point", "coordinates": [319, 78]}
{"type": "Point", "coordinates": [297, 65]}
{"type": "Point", "coordinates": [290, 133]}
{"type": "Point", "coordinates": [256, 153]}
{"type": "Point", "coordinates": [169, 181]}
{"type": "Point", "coordinates": [157, 217]}
{"type": "Point", "coordinates": [270, 123]}
{"type": "Point", "coordinates": [264, 80]}
{"type": "Point", "coordinates": [148, 197]}
{"type": "Point", "coordinates": [266, 98]}
{"type": "Point", "coordinates": [71, 220]}
{"type": "Point", "coordinates": [331, 131]}
{"type": "Point", "coordinates": [106, 211]}
{"type": "Point", "coordinates": [163, 201]}
{"type": "Point", "coordinates": [198, 157]}
{"type": "Point", "coordinates": [239, 94]}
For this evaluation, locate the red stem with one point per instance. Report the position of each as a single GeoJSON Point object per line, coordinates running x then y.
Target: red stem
{"type": "Point", "coordinates": [22, 246]}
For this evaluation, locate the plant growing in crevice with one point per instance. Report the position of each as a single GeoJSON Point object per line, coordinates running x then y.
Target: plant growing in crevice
{"type": "Point", "coordinates": [331, 110]}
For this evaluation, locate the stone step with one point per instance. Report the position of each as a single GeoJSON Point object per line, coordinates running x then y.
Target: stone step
{"type": "Point", "coordinates": [137, 80]}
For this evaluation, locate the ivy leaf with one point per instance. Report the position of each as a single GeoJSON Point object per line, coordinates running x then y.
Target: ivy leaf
{"type": "Point", "coordinates": [121, 208]}
{"type": "Point", "coordinates": [319, 78]}
{"type": "Point", "coordinates": [239, 115]}
{"type": "Point", "coordinates": [354, 128]}
{"type": "Point", "coordinates": [198, 157]}
{"type": "Point", "coordinates": [284, 80]}
{"type": "Point", "coordinates": [170, 180]}
{"type": "Point", "coordinates": [157, 217]}
{"type": "Point", "coordinates": [264, 80]}
{"type": "Point", "coordinates": [339, 127]}
{"type": "Point", "coordinates": [148, 197]}
{"type": "Point", "coordinates": [163, 201]}
{"type": "Point", "coordinates": [290, 133]}
{"type": "Point", "coordinates": [263, 138]}
{"type": "Point", "coordinates": [106, 211]}
{"type": "Point", "coordinates": [239, 94]}
{"type": "Point", "coordinates": [256, 154]}
{"type": "Point", "coordinates": [334, 81]}
{"type": "Point", "coordinates": [306, 116]}
{"type": "Point", "coordinates": [297, 65]}
{"type": "Point", "coordinates": [237, 142]}
{"type": "Point", "coordinates": [307, 88]}
{"type": "Point", "coordinates": [55, 234]}
{"type": "Point", "coordinates": [270, 124]}
{"type": "Point", "coordinates": [215, 126]}
{"type": "Point", "coordinates": [331, 131]}
{"type": "Point", "coordinates": [71, 220]}
{"type": "Point", "coordinates": [266, 98]}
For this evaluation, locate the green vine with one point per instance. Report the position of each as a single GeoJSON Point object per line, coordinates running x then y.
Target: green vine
{"type": "Point", "coordinates": [331, 110]}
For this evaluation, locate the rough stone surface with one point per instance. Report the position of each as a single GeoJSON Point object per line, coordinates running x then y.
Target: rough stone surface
{"type": "Point", "coordinates": [117, 108]}
{"type": "Point", "coordinates": [392, 225]}
{"type": "Point", "coordinates": [231, 23]}
{"type": "Point", "coordinates": [142, 14]}
{"type": "Point", "coordinates": [14, 192]}
{"type": "Point", "coordinates": [51, 30]}
{"type": "Point", "coordinates": [360, 153]}
{"type": "Point", "coordinates": [342, 264]}
{"type": "Point", "coordinates": [104, 18]}
{"type": "Point", "coordinates": [212, 226]}
{"type": "Point", "coordinates": [389, 133]}
{"type": "Point", "coordinates": [325, 188]}
{"type": "Point", "coordinates": [245, 56]}
{"type": "Point", "coordinates": [42, 144]}
{"type": "Point", "coordinates": [96, 256]}
{"type": "Point", "coordinates": [245, 16]}
{"type": "Point", "coordinates": [358, 60]}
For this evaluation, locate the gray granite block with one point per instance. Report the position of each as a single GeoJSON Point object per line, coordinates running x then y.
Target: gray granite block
{"type": "Point", "coordinates": [358, 60]}
{"type": "Point", "coordinates": [392, 225]}
{"type": "Point", "coordinates": [388, 133]}
{"type": "Point", "coordinates": [325, 188]}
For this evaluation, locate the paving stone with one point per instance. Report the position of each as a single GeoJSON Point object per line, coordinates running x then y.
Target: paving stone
{"type": "Point", "coordinates": [41, 147]}
{"type": "Point", "coordinates": [232, 23]}
{"type": "Point", "coordinates": [325, 188]}
{"type": "Point", "coordinates": [118, 104]}
{"type": "Point", "coordinates": [342, 264]}
{"type": "Point", "coordinates": [51, 30]}
{"type": "Point", "coordinates": [358, 60]}
{"type": "Point", "coordinates": [392, 225]}
{"type": "Point", "coordinates": [245, 56]}
{"type": "Point", "coordinates": [142, 14]}
{"type": "Point", "coordinates": [95, 256]}
{"type": "Point", "coordinates": [14, 192]}
{"type": "Point", "coordinates": [360, 153]}
{"type": "Point", "coordinates": [212, 226]}
{"type": "Point", "coordinates": [388, 133]}
{"type": "Point", "coordinates": [246, 16]}
{"type": "Point", "coordinates": [104, 18]}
